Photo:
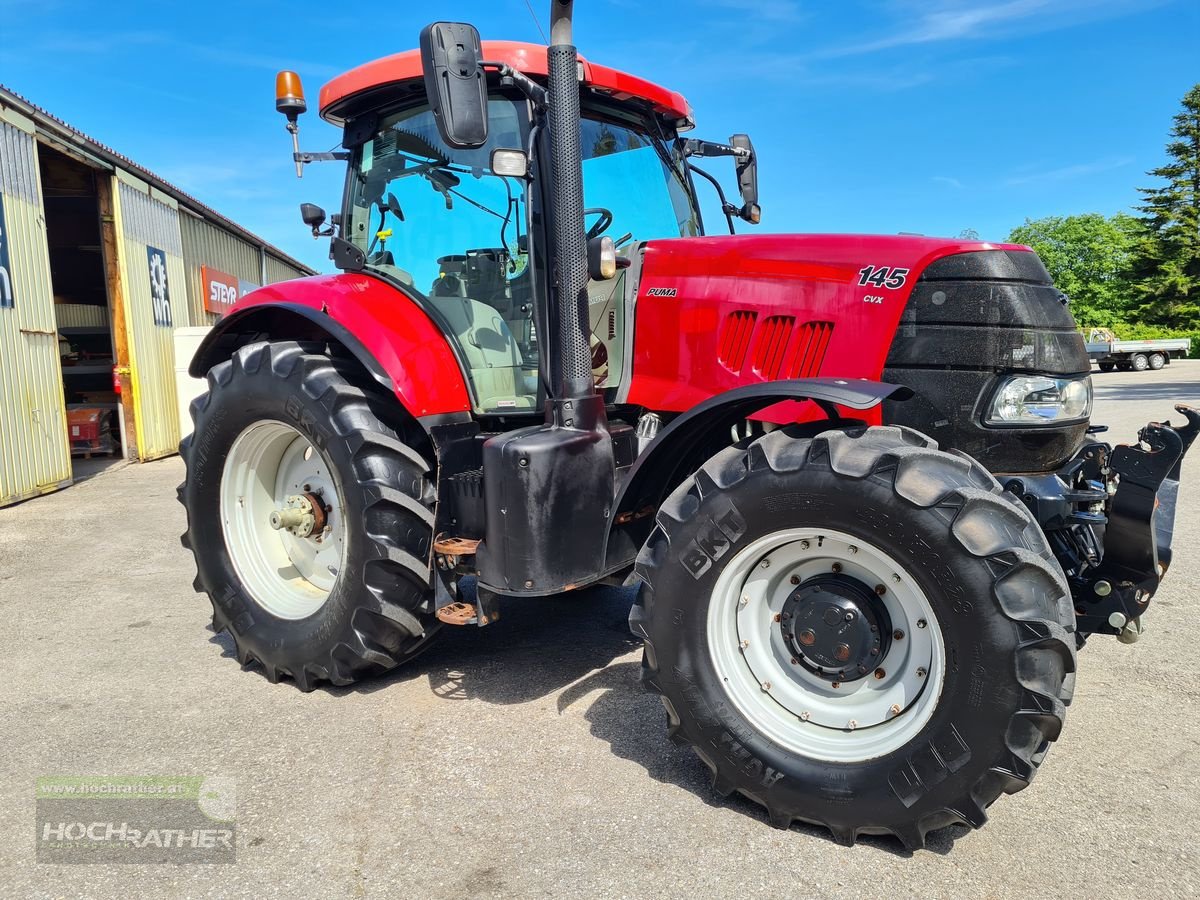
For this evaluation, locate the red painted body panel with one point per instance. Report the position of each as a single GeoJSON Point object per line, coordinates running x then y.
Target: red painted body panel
{"type": "Point", "coordinates": [746, 309]}
{"type": "Point", "coordinates": [527, 58]}
{"type": "Point", "coordinates": [397, 332]}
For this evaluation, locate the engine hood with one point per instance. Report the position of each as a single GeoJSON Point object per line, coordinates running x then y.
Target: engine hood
{"type": "Point", "coordinates": [715, 313]}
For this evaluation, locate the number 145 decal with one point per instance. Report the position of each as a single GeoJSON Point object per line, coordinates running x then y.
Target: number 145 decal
{"type": "Point", "coordinates": [883, 277]}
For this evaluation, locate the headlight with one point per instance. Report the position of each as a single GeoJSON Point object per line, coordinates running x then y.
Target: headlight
{"type": "Point", "coordinates": [1038, 400]}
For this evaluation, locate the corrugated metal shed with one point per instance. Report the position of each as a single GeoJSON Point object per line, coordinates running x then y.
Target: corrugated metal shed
{"type": "Point", "coordinates": [153, 275]}
{"type": "Point", "coordinates": [140, 242]}
{"type": "Point", "coordinates": [34, 451]}
{"type": "Point", "coordinates": [205, 244]}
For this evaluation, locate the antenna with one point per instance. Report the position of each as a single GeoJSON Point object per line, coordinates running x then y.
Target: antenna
{"type": "Point", "coordinates": [529, 7]}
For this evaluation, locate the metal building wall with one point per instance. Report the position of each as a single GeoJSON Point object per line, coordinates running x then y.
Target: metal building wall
{"type": "Point", "coordinates": [278, 270]}
{"type": "Point", "coordinates": [147, 218]}
{"type": "Point", "coordinates": [206, 244]}
{"type": "Point", "coordinates": [35, 456]}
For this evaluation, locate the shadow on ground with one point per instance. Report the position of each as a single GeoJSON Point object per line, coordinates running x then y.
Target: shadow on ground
{"type": "Point", "coordinates": [574, 643]}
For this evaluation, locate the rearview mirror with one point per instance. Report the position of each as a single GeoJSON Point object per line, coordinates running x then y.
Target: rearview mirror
{"type": "Point", "coordinates": [747, 176]}
{"type": "Point", "coordinates": [314, 218]}
{"type": "Point", "coordinates": [452, 59]}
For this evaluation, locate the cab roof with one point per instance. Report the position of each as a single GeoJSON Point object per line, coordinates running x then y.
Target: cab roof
{"type": "Point", "coordinates": [527, 58]}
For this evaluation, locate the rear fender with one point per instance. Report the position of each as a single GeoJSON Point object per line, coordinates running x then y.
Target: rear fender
{"type": "Point", "coordinates": [691, 438]}
{"type": "Point", "coordinates": [394, 339]}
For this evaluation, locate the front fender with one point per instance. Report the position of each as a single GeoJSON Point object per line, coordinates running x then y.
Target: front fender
{"type": "Point", "coordinates": [697, 434]}
{"type": "Point", "coordinates": [397, 342]}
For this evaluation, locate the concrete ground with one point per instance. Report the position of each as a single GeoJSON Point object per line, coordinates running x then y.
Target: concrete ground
{"type": "Point", "coordinates": [524, 759]}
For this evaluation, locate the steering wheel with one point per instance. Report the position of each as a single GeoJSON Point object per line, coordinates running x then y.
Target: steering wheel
{"type": "Point", "coordinates": [602, 224]}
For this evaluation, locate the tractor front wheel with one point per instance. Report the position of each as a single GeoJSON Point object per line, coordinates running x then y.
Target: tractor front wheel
{"type": "Point", "coordinates": [856, 630]}
{"type": "Point", "coordinates": [309, 518]}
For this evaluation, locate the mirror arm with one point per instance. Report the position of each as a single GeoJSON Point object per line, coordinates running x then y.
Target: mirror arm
{"type": "Point", "coordinates": [337, 155]}
{"type": "Point", "coordinates": [692, 147]}
{"type": "Point", "coordinates": [726, 207]}
{"type": "Point", "coordinates": [511, 77]}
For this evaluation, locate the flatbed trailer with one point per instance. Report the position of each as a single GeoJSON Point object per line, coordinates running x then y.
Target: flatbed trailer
{"type": "Point", "coordinates": [1137, 356]}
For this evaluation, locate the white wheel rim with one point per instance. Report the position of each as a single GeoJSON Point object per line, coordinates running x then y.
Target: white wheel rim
{"type": "Point", "coordinates": [861, 719]}
{"type": "Point", "coordinates": [288, 575]}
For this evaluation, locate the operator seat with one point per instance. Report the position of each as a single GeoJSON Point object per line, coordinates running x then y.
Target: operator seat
{"type": "Point", "coordinates": [491, 352]}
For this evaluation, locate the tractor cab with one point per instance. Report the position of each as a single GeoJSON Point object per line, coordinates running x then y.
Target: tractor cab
{"type": "Point", "coordinates": [462, 231]}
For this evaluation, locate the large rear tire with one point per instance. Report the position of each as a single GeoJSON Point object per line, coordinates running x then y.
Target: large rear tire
{"type": "Point", "coordinates": [916, 733]}
{"type": "Point", "coordinates": [342, 588]}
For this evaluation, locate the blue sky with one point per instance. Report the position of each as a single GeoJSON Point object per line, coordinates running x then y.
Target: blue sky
{"type": "Point", "coordinates": [929, 116]}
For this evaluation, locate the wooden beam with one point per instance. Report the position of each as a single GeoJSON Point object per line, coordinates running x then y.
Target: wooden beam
{"type": "Point", "coordinates": [109, 241]}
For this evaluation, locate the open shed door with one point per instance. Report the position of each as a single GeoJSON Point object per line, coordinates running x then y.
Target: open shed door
{"type": "Point", "coordinates": [155, 304]}
{"type": "Point", "coordinates": [35, 456]}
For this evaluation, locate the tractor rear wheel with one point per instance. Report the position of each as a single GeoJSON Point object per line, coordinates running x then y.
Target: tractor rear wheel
{"type": "Point", "coordinates": [856, 630]}
{"type": "Point", "coordinates": [309, 518]}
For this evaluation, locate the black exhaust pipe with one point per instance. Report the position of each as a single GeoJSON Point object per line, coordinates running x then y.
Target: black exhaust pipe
{"type": "Point", "coordinates": [569, 276]}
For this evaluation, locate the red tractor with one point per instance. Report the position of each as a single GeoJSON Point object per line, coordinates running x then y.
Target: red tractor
{"type": "Point", "coordinates": [853, 478]}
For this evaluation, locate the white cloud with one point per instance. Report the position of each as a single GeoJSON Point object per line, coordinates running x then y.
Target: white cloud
{"type": "Point", "coordinates": [1065, 173]}
{"type": "Point", "coordinates": [950, 21]}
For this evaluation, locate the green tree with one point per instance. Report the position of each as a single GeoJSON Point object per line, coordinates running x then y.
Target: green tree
{"type": "Point", "coordinates": [1089, 257]}
{"type": "Point", "coordinates": [1167, 259]}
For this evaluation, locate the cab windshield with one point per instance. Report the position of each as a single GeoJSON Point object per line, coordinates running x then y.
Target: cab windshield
{"type": "Point", "coordinates": [441, 222]}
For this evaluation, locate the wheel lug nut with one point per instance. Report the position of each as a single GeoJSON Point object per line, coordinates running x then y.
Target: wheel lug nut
{"type": "Point", "coordinates": [804, 717]}
{"type": "Point", "coordinates": [766, 564]}
{"type": "Point", "coordinates": [766, 685]}
{"type": "Point", "coordinates": [853, 724]}
{"type": "Point", "coordinates": [853, 549]}
{"type": "Point", "coordinates": [921, 672]}
{"type": "Point", "coordinates": [795, 662]}
{"type": "Point", "coordinates": [879, 673]}
{"type": "Point", "coordinates": [898, 635]}
{"type": "Point", "coordinates": [804, 545]}
{"type": "Point", "coordinates": [837, 567]}
{"type": "Point", "coordinates": [836, 684]}
{"type": "Point", "coordinates": [880, 590]}
{"type": "Point", "coordinates": [921, 623]}
{"type": "Point", "coordinates": [896, 578]}
{"type": "Point", "coordinates": [744, 644]}
{"type": "Point", "coordinates": [895, 710]}
{"type": "Point", "coordinates": [849, 617]}
{"type": "Point", "coordinates": [795, 579]}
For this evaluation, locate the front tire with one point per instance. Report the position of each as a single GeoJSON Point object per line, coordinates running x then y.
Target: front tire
{"type": "Point", "coordinates": [343, 589]}
{"type": "Point", "coordinates": [979, 609]}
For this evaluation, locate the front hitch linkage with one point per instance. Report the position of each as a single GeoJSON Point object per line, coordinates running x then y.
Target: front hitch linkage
{"type": "Point", "coordinates": [1110, 598]}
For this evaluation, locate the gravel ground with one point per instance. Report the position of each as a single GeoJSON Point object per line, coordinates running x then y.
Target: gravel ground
{"type": "Point", "coordinates": [524, 758]}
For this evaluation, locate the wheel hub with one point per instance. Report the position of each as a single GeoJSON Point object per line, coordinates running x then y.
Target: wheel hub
{"type": "Point", "coordinates": [838, 627]}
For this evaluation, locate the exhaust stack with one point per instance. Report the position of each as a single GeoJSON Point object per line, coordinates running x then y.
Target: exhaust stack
{"type": "Point", "coordinates": [569, 276]}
